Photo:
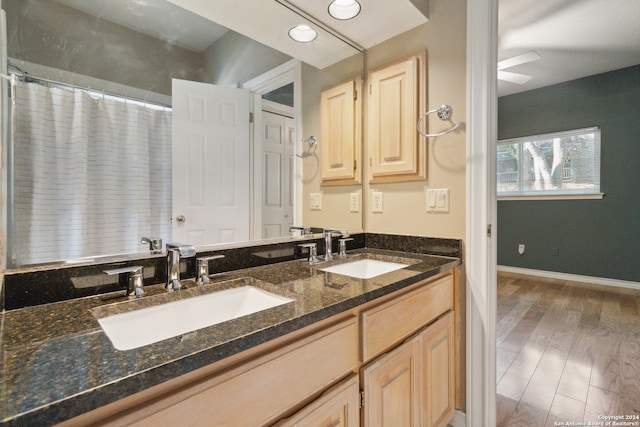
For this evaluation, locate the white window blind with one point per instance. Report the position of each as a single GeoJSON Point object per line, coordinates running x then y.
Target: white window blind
{"type": "Point", "coordinates": [561, 163]}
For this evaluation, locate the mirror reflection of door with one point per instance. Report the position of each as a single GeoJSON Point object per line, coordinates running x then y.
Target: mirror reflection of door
{"type": "Point", "coordinates": [211, 171]}
{"type": "Point", "coordinates": [277, 157]}
{"type": "Point", "coordinates": [275, 148]}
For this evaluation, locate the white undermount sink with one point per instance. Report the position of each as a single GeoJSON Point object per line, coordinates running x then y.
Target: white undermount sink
{"type": "Point", "coordinates": [145, 326]}
{"type": "Point", "coordinates": [364, 268]}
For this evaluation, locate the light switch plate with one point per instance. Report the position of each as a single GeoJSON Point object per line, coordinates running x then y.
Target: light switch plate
{"type": "Point", "coordinates": [437, 200]}
{"type": "Point", "coordinates": [315, 201]}
{"type": "Point", "coordinates": [354, 202]}
{"type": "Point", "coordinates": [376, 201]}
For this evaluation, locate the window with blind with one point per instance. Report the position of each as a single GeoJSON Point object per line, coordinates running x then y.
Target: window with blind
{"type": "Point", "coordinates": [555, 164]}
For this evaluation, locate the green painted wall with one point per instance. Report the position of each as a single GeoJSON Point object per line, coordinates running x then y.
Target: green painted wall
{"type": "Point", "coordinates": [594, 237]}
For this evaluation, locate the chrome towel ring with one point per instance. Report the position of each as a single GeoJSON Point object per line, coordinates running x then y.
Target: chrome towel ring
{"type": "Point", "coordinates": [444, 112]}
{"type": "Point", "coordinates": [312, 143]}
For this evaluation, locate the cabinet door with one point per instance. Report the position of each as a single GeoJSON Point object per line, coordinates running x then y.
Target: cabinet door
{"type": "Point", "coordinates": [413, 385]}
{"type": "Point", "coordinates": [339, 142]}
{"type": "Point", "coordinates": [391, 393]}
{"type": "Point", "coordinates": [396, 100]}
{"type": "Point", "coordinates": [338, 407]}
{"type": "Point", "coordinates": [437, 381]}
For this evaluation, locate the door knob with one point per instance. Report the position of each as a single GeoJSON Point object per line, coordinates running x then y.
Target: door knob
{"type": "Point", "coordinates": [180, 219]}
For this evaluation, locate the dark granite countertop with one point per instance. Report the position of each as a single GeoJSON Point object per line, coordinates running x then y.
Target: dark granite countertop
{"type": "Point", "coordinates": [57, 362]}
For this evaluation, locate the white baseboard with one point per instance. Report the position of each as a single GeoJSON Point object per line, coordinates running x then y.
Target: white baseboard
{"type": "Point", "coordinates": [459, 419]}
{"type": "Point", "coordinates": [570, 277]}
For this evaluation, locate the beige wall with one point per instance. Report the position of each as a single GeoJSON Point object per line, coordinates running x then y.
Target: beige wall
{"type": "Point", "coordinates": [335, 211]}
{"type": "Point", "coordinates": [404, 204]}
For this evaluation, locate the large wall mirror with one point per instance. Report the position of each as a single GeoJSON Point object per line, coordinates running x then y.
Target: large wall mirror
{"type": "Point", "coordinates": [131, 119]}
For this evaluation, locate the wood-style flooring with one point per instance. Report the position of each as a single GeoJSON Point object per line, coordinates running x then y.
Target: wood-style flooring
{"type": "Point", "coordinates": [567, 352]}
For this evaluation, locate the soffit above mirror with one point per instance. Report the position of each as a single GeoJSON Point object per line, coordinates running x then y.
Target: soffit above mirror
{"type": "Point", "coordinates": [271, 26]}
{"type": "Point", "coordinates": [196, 31]}
{"type": "Point", "coordinates": [377, 21]}
{"type": "Point", "coordinates": [180, 27]}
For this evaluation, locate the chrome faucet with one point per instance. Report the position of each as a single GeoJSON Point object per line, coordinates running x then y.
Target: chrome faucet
{"type": "Point", "coordinates": [132, 276]}
{"type": "Point", "coordinates": [328, 234]}
{"type": "Point", "coordinates": [174, 252]}
{"type": "Point", "coordinates": [303, 230]}
{"type": "Point", "coordinates": [155, 244]}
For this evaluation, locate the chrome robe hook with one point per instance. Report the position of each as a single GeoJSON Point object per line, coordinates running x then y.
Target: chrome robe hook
{"type": "Point", "coordinates": [444, 112]}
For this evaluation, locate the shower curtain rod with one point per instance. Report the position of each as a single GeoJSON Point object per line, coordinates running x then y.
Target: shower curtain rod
{"type": "Point", "coordinates": [29, 78]}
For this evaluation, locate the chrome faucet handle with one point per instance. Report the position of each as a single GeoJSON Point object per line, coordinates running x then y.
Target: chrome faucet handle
{"type": "Point", "coordinates": [313, 251]}
{"type": "Point", "coordinates": [155, 244]}
{"type": "Point", "coordinates": [202, 268]}
{"type": "Point", "coordinates": [342, 248]}
{"type": "Point", "coordinates": [133, 276]}
{"type": "Point", "coordinates": [304, 230]}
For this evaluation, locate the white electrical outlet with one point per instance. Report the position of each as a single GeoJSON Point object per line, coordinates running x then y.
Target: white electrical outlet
{"type": "Point", "coordinates": [315, 201]}
{"type": "Point", "coordinates": [521, 248]}
{"type": "Point", "coordinates": [376, 201]}
{"type": "Point", "coordinates": [354, 202]}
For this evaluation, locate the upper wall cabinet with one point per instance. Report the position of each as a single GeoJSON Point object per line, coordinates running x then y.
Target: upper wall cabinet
{"type": "Point", "coordinates": [340, 138]}
{"type": "Point", "coordinates": [397, 98]}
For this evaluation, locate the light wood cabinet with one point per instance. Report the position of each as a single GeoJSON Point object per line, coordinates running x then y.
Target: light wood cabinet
{"type": "Point", "coordinates": [338, 407]}
{"type": "Point", "coordinates": [393, 321]}
{"type": "Point", "coordinates": [256, 391]}
{"type": "Point", "coordinates": [391, 388]}
{"type": "Point", "coordinates": [396, 99]}
{"type": "Point", "coordinates": [262, 387]}
{"type": "Point", "coordinates": [413, 385]}
{"type": "Point", "coordinates": [438, 371]}
{"type": "Point", "coordinates": [340, 134]}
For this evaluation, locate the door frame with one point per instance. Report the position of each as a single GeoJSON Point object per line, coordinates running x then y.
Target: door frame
{"type": "Point", "coordinates": [288, 72]}
{"type": "Point", "coordinates": [480, 244]}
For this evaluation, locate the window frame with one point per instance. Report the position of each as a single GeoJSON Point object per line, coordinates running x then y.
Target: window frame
{"type": "Point", "coordinates": [555, 194]}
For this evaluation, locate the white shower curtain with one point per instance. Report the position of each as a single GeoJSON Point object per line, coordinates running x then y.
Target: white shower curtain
{"type": "Point", "coordinates": [90, 176]}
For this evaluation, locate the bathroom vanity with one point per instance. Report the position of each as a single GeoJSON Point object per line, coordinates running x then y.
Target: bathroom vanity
{"type": "Point", "coordinates": [343, 349]}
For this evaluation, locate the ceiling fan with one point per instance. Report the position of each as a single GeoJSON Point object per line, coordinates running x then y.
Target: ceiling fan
{"type": "Point", "coordinates": [516, 78]}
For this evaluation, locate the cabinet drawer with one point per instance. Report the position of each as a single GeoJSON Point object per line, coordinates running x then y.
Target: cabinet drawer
{"type": "Point", "coordinates": [337, 407]}
{"type": "Point", "coordinates": [258, 392]}
{"type": "Point", "coordinates": [391, 322]}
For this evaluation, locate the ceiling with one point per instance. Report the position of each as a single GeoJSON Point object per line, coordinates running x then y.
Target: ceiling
{"type": "Point", "coordinates": [267, 21]}
{"type": "Point", "coordinates": [575, 38]}
{"type": "Point", "coordinates": [375, 23]}
{"type": "Point", "coordinates": [179, 26]}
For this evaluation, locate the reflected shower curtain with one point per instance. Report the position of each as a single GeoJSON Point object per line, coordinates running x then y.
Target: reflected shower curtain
{"type": "Point", "coordinates": [91, 177]}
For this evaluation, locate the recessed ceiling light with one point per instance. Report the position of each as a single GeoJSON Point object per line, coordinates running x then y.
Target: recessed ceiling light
{"type": "Point", "coordinates": [344, 9]}
{"type": "Point", "coordinates": [303, 33]}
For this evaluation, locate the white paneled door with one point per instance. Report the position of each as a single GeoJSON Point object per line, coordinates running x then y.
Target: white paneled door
{"type": "Point", "coordinates": [277, 169]}
{"type": "Point", "coordinates": [211, 171]}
